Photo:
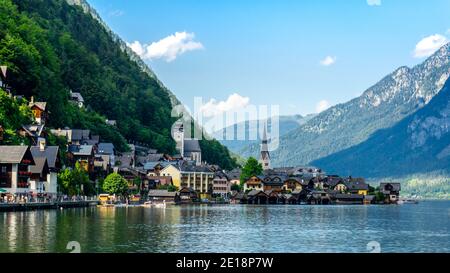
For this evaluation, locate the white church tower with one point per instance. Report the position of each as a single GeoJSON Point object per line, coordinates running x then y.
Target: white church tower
{"type": "Point", "coordinates": [265, 156]}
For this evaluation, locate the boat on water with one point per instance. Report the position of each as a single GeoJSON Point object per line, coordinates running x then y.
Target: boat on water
{"type": "Point", "coordinates": [407, 201]}
{"type": "Point", "coordinates": [150, 204]}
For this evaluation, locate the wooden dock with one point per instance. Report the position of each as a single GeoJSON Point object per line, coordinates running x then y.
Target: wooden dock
{"type": "Point", "coordinates": [52, 205]}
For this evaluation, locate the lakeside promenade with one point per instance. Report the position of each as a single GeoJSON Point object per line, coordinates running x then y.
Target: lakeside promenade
{"type": "Point", "coordinates": [5, 207]}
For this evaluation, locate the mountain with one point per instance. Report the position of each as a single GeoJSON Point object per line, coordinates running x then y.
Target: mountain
{"type": "Point", "coordinates": [390, 100]}
{"type": "Point", "coordinates": [418, 144]}
{"type": "Point", "coordinates": [54, 47]}
{"type": "Point", "coordinates": [285, 124]}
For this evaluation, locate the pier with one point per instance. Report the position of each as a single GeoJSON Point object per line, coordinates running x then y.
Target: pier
{"type": "Point", "coordinates": [48, 205]}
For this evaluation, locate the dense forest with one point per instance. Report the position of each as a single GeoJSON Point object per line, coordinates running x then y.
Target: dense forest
{"type": "Point", "coordinates": [52, 48]}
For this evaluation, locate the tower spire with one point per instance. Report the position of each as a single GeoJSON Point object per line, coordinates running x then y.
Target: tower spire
{"type": "Point", "coordinates": [265, 155]}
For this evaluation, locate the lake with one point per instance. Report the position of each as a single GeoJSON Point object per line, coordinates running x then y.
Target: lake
{"type": "Point", "coordinates": [232, 228]}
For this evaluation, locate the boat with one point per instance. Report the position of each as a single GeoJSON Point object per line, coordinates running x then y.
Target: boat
{"type": "Point", "coordinates": [150, 204]}
{"type": "Point", "coordinates": [407, 201]}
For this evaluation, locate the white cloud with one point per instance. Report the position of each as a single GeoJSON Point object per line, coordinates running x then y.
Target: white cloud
{"type": "Point", "coordinates": [428, 45]}
{"type": "Point", "coordinates": [116, 13]}
{"type": "Point", "coordinates": [329, 60]}
{"type": "Point", "coordinates": [233, 102]}
{"type": "Point", "coordinates": [168, 48]}
{"type": "Point", "coordinates": [374, 2]}
{"type": "Point", "coordinates": [322, 106]}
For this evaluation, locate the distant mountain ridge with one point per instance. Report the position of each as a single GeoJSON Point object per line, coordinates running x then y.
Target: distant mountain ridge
{"type": "Point", "coordinates": [285, 125]}
{"type": "Point", "coordinates": [418, 144]}
{"type": "Point", "coordinates": [396, 96]}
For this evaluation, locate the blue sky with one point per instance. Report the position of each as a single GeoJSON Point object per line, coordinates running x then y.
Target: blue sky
{"type": "Point", "coordinates": [300, 55]}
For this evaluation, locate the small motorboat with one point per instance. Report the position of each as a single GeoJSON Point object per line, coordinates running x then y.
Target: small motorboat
{"type": "Point", "coordinates": [150, 204]}
{"type": "Point", "coordinates": [407, 201]}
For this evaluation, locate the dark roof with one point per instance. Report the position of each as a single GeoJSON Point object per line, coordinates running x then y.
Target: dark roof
{"type": "Point", "coordinates": [33, 129]}
{"type": "Point", "coordinates": [106, 148]}
{"type": "Point", "coordinates": [240, 195]}
{"type": "Point", "coordinates": [254, 192]}
{"type": "Point", "coordinates": [40, 164]}
{"type": "Point", "coordinates": [12, 154]}
{"type": "Point", "coordinates": [220, 175]}
{"type": "Point", "coordinates": [50, 152]}
{"type": "Point", "coordinates": [76, 96]}
{"type": "Point", "coordinates": [77, 134]}
{"type": "Point", "coordinates": [194, 168]}
{"type": "Point", "coordinates": [234, 174]}
{"type": "Point", "coordinates": [357, 185]}
{"type": "Point", "coordinates": [191, 145]}
{"type": "Point", "coordinates": [395, 186]}
{"type": "Point", "coordinates": [161, 193]}
{"type": "Point", "coordinates": [152, 165]}
{"type": "Point", "coordinates": [274, 180]}
{"type": "Point", "coordinates": [81, 149]}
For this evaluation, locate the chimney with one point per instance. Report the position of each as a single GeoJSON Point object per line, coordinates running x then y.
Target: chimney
{"type": "Point", "coordinates": [32, 99]}
{"type": "Point", "coordinates": [42, 144]}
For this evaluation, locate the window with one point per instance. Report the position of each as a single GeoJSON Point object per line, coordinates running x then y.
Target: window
{"type": "Point", "coordinates": [3, 170]}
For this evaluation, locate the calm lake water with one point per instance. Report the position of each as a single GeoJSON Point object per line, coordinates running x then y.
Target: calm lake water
{"type": "Point", "coordinates": [231, 228]}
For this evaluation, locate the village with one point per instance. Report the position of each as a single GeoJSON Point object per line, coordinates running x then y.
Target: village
{"type": "Point", "coordinates": [30, 174]}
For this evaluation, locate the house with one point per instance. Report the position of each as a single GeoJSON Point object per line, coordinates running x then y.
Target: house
{"type": "Point", "coordinates": [84, 154]}
{"type": "Point", "coordinates": [234, 176]}
{"type": "Point", "coordinates": [293, 184]}
{"type": "Point", "coordinates": [318, 197]}
{"type": "Point", "coordinates": [188, 195]}
{"type": "Point", "coordinates": [192, 151]}
{"type": "Point", "coordinates": [154, 168]}
{"type": "Point", "coordinates": [33, 132]}
{"type": "Point", "coordinates": [221, 185]}
{"type": "Point", "coordinates": [391, 192]}
{"type": "Point", "coordinates": [15, 164]}
{"type": "Point", "coordinates": [357, 186]}
{"type": "Point", "coordinates": [77, 99]}
{"type": "Point", "coordinates": [153, 182]}
{"type": "Point", "coordinates": [174, 172]}
{"type": "Point", "coordinates": [160, 196]}
{"type": "Point", "coordinates": [307, 172]}
{"type": "Point", "coordinates": [239, 198]}
{"type": "Point", "coordinates": [39, 173]}
{"type": "Point", "coordinates": [274, 183]}
{"type": "Point", "coordinates": [111, 122]}
{"type": "Point", "coordinates": [39, 110]}
{"type": "Point", "coordinates": [257, 197]}
{"type": "Point", "coordinates": [51, 154]}
{"type": "Point", "coordinates": [73, 136]}
{"type": "Point", "coordinates": [275, 197]}
{"type": "Point", "coordinates": [254, 183]}
{"type": "Point", "coordinates": [105, 156]}
{"type": "Point", "coordinates": [199, 178]}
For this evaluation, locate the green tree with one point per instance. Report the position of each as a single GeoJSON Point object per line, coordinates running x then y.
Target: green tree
{"type": "Point", "coordinates": [115, 184]}
{"type": "Point", "coordinates": [236, 187]}
{"type": "Point", "coordinates": [252, 167]}
{"type": "Point", "coordinates": [75, 181]}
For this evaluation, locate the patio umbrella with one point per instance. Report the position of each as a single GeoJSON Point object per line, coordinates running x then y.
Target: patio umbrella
{"type": "Point", "coordinates": [3, 190]}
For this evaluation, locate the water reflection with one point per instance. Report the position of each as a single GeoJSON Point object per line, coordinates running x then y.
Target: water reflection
{"type": "Point", "coordinates": [233, 228]}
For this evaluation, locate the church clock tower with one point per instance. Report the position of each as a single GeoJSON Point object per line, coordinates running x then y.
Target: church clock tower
{"type": "Point", "coordinates": [265, 156]}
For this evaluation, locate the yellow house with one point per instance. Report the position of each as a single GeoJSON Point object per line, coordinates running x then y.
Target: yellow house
{"type": "Point", "coordinates": [173, 172]}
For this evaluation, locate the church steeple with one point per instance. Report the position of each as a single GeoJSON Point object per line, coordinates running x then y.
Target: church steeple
{"type": "Point", "coordinates": [265, 155]}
